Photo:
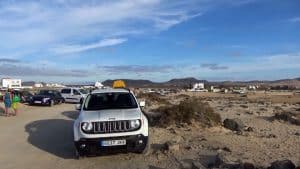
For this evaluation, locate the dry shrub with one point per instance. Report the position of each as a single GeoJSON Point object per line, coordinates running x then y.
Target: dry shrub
{"type": "Point", "coordinates": [188, 111]}
{"type": "Point", "coordinates": [152, 98]}
{"type": "Point", "coordinates": [243, 106]}
{"type": "Point", "coordinates": [183, 96]}
{"type": "Point", "coordinates": [290, 117]}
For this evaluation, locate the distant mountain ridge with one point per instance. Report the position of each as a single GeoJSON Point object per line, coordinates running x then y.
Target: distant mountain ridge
{"type": "Point", "coordinates": [131, 82]}
{"type": "Point", "coordinates": [186, 82]}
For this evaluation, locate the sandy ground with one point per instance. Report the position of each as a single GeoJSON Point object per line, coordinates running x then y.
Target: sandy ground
{"type": "Point", "coordinates": [41, 137]}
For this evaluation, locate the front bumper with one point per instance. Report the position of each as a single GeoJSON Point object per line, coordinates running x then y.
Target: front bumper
{"type": "Point", "coordinates": [41, 103]}
{"type": "Point", "coordinates": [134, 143]}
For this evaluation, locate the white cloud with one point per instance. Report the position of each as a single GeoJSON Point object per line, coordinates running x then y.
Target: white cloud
{"type": "Point", "coordinates": [267, 63]}
{"type": "Point", "coordinates": [254, 68]}
{"type": "Point", "coordinates": [64, 49]}
{"type": "Point", "coordinates": [295, 19]}
{"type": "Point", "coordinates": [40, 25]}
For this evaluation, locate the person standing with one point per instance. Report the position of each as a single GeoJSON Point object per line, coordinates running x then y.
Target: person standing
{"type": "Point", "coordinates": [1, 102]}
{"type": "Point", "coordinates": [15, 100]}
{"type": "Point", "coordinates": [7, 102]}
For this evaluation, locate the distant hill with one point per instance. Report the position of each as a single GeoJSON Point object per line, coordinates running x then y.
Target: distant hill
{"type": "Point", "coordinates": [28, 83]}
{"type": "Point", "coordinates": [186, 82]}
{"type": "Point", "coordinates": [131, 82]}
{"type": "Point", "coordinates": [287, 82]}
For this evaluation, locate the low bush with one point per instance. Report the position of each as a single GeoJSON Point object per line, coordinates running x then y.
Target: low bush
{"type": "Point", "coordinates": [152, 98]}
{"type": "Point", "coordinates": [288, 117]}
{"type": "Point", "coordinates": [188, 111]}
{"type": "Point", "coordinates": [243, 106]}
{"type": "Point", "coordinates": [183, 96]}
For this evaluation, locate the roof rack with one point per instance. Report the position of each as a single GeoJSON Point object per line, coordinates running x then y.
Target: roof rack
{"type": "Point", "coordinates": [122, 88]}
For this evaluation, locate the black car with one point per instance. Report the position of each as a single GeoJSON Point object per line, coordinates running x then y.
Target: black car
{"type": "Point", "coordinates": [47, 97]}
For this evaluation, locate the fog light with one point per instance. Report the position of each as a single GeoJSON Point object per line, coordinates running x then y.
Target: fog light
{"type": "Point", "coordinates": [140, 141]}
{"type": "Point", "coordinates": [82, 146]}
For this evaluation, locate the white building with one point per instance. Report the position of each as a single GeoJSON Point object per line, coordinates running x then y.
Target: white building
{"type": "Point", "coordinates": [99, 84]}
{"type": "Point", "coordinates": [198, 86]}
{"type": "Point", "coordinates": [37, 85]}
{"type": "Point", "coordinates": [252, 87]}
{"type": "Point", "coordinates": [11, 83]}
{"type": "Point", "coordinates": [55, 85]}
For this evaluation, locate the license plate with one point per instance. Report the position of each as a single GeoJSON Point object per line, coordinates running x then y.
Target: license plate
{"type": "Point", "coordinates": [113, 142]}
{"type": "Point", "coordinates": [37, 101]}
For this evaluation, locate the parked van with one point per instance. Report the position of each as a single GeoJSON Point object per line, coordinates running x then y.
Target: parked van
{"type": "Point", "coordinates": [73, 95]}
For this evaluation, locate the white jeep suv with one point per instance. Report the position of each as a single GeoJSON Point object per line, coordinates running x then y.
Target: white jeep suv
{"type": "Point", "coordinates": [110, 120]}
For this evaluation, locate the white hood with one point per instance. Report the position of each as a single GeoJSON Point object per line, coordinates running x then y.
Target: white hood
{"type": "Point", "coordinates": [110, 115]}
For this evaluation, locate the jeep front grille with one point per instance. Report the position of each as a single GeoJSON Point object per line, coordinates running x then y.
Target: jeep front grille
{"type": "Point", "coordinates": [112, 127]}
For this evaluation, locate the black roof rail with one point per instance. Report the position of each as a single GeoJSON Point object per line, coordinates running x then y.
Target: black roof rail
{"type": "Point", "coordinates": [122, 88]}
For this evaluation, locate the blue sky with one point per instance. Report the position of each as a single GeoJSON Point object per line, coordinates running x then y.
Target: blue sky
{"type": "Point", "coordinates": [76, 41]}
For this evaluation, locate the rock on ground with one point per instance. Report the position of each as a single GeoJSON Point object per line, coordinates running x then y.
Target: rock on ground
{"type": "Point", "coordinates": [233, 124]}
{"type": "Point", "coordinates": [283, 164]}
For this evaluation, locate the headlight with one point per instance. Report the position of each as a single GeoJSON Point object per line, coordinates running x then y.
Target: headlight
{"type": "Point", "coordinates": [86, 126]}
{"type": "Point", "coordinates": [45, 99]}
{"type": "Point", "coordinates": [135, 123]}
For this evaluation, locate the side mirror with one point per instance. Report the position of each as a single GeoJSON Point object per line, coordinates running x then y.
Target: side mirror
{"type": "Point", "coordinates": [142, 103]}
{"type": "Point", "coordinates": [78, 106]}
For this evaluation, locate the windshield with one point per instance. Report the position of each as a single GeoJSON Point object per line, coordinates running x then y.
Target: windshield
{"type": "Point", "coordinates": [101, 101]}
{"type": "Point", "coordinates": [83, 91]}
{"type": "Point", "coordinates": [46, 92]}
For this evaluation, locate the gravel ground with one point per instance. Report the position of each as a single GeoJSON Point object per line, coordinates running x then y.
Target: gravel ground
{"type": "Point", "coordinates": [42, 137]}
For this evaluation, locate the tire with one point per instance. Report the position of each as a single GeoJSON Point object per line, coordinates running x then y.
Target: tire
{"type": "Point", "coordinates": [51, 103]}
{"type": "Point", "coordinates": [60, 101]}
{"type": "Point", "coordinates": [78, 155]}
{"type": "Point", "coordinates": [147, 149]}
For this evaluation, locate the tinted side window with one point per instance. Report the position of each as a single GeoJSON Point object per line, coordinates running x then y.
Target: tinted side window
{"type": "Point", "coordinates": [57, 94]}
{"type": "Point", "coordinates": [76, 92]}
{"type": "Point", "coordinates": [66, 91]}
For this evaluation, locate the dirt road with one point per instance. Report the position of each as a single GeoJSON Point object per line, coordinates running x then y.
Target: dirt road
{"type": "Point", "coordinates": [41, 137]}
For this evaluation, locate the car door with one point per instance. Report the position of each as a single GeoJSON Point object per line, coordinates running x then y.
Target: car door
{"type": "Point", "coordinates": [58, 97]}
{"type": "Point", "coordinates": [67, 94]}
{"type": "Point", "coordinates": [76, 95]}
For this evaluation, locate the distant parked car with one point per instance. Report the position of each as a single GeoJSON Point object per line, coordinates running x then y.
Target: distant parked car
{"type": "Point", "coordinates": [47, 97]}
{"type": "Point", "coordinates": [24, 95]}
{"type": "Point", "coordinates": [2, 92]}
{"type": "Point", "coordinates": [74, 95]}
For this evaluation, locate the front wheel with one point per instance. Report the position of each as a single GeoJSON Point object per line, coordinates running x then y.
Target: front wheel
{"type": "Point", "coordinates": [51, 103]}
{"type": "Point", "coordinates": [147, 149]}
{"type": "Point", "coordinates": [78, 155]}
